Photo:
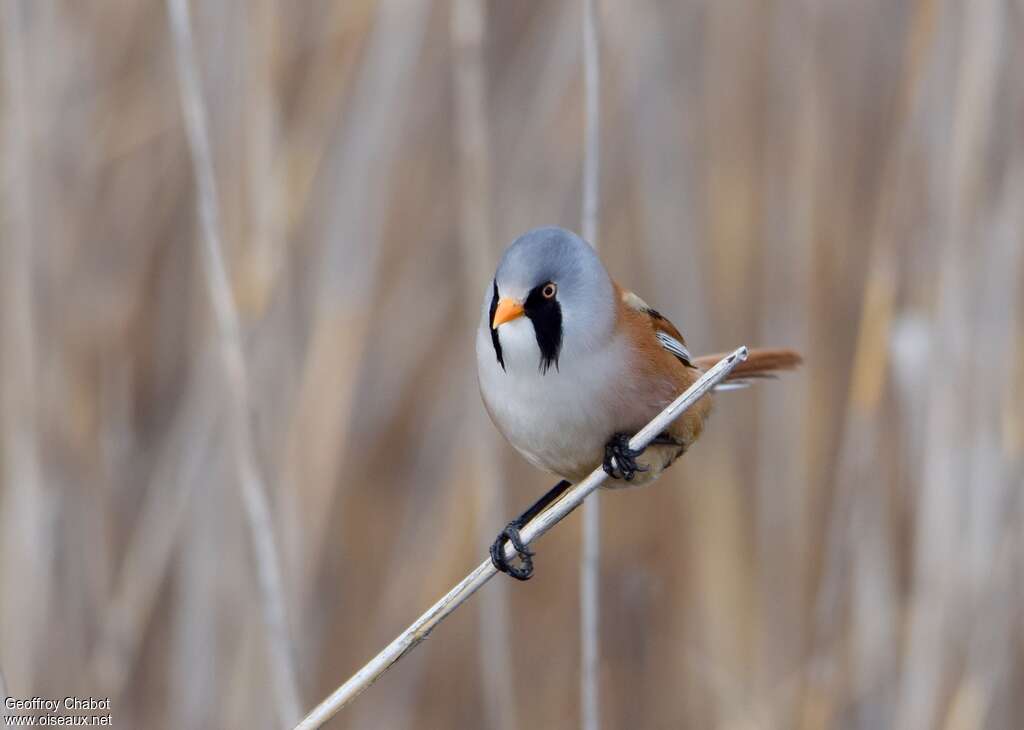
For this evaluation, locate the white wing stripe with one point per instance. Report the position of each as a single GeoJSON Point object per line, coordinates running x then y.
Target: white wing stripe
{"type": "Point", "coordinates": [673, 345]}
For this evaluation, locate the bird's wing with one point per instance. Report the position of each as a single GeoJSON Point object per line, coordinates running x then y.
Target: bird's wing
{"type": "Point", "coordinates": [668, 336]}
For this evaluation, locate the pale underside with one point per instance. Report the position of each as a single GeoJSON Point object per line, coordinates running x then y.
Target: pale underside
{"type": "Point", "coordinates": [561, 420]}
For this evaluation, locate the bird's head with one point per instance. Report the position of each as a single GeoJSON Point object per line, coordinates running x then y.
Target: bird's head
{"type": "Point", "coordinates": [550, 298]}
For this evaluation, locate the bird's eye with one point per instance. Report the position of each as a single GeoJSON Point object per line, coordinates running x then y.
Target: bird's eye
{"type": "Point", "coordinates": [549, 290]}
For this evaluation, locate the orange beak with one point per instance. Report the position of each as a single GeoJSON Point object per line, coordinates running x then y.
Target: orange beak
{"type": "Point", "coordinates": [507, 310]}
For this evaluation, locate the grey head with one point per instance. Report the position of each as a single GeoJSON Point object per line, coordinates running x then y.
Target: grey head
{"type": "Point", "coordinates": [551, 298]}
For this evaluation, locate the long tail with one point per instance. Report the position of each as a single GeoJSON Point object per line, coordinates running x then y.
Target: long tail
{"type": "Point", "coordinates": [759, 364]}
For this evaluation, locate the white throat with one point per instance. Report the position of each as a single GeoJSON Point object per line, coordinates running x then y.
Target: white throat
{"type": "Point", "coordinates": [558, 419]}
{"type": "Point", "coordinates": [519, 348]}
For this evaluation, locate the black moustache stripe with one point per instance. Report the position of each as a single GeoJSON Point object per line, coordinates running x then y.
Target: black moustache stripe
{"type": "Point", "coordinates": [546, 316]}
{"type": "Point", "coordinates": [494, 333]}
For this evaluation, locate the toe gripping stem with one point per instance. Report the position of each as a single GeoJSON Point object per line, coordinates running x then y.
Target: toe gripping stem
{"type": "Point", "coordinates": [510, 534]}
{"type": "Point", "coordinates": [620, 460]}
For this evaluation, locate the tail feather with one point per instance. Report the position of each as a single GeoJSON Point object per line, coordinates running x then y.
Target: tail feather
{"type": "Point", "coordinates": [759, 363]}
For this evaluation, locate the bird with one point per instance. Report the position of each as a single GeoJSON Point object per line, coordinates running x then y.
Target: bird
{"type": "Point", "coordinates": [570, 365]}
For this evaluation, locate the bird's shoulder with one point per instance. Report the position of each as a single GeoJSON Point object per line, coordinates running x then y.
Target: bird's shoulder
{"type": "Point", "coordinates": [666, 333]}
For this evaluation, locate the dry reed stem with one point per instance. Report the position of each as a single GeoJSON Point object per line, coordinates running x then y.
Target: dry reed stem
{"type": "Point", "coordinates": [590, 562]}
{"type": "Point", "coordinates": [26, 509]}
{"type": "Point", "coordinates": [856, 463]}
{"type": "Point", "coordinates": [421, 628]}
{"type": "Point", "coordinates": [788, 205]}
{"type": "Point", "coordinates": [356, 171]}
{"type": "Point", "coordinates": [939, 591]}
{"type": "Point", "coordinates": [157, 531]}
{"type": "Point", "coordinates": [468, 25]}
{"type": "Point", "coordinates": [254, 490]}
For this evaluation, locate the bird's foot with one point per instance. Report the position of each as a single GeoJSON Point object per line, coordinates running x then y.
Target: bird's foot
{"type": "Point", "coordinates": [511, 534]}
{"type": "Point", "coordinates": [620, 460]}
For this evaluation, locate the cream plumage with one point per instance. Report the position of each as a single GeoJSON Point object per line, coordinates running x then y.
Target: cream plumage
{"type": "Point", "coordinates": [571, 364]}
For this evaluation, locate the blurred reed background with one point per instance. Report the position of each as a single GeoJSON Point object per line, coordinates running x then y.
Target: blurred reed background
{"type": "Point", "coordinates": [842, 549]}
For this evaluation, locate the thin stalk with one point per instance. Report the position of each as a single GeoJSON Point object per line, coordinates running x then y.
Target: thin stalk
{"type": "Point", "coordinates": [27, 505]}
{"type": "Point", "coordinates": [421, 628]}
{"type": "Point", "coordinates": [468, 26]}
{"type": "Point", "coordinates": [590, 564]}
{"type": "Point", "coordinates": [254, 490]}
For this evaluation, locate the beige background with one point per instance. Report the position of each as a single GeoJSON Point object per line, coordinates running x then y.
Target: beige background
{"type": "Point", "coordinates": [842, 549]}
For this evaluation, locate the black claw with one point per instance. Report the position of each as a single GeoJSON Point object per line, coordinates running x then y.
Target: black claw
{"type": "Point", "coordinates": [511, 535]}
{"type": "Point", "coordinates": [620, 460]}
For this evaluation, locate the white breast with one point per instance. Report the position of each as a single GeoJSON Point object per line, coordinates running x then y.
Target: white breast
{"type": "Point", "coordinates": [559, 420]}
